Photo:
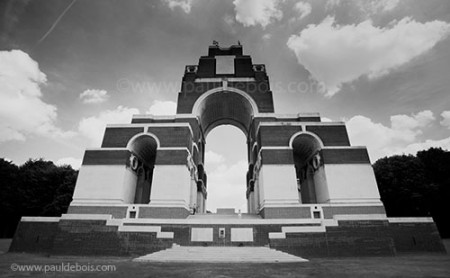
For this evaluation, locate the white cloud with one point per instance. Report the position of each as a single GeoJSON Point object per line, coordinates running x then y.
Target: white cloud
{"type": "Point", "coordinates": [7, 159]}
{"type": "Point", "coordinates": [267, 36]}
{"type": "Point", "coordinates": [230, 23]}
{"type": "Point", "coordinates": [228, 19]}
{"type": "Point", "coordinates": [376, 6]}
{"type": "Point", "coordinates": [162, 108]}
{"type": "Point", "coordinates": [22, 111]}
{"type": "Point", "coordinates": [330, 4]}
{"type": "Point", "coordinates": [254, 12]}
{"type": "Point", "coordinates": [446, 119]}
{"type": "Point", "coordinates": [303, 9]}
{"type": "Point", "coordinates": [74, 162]}
{"type": "Point", "coordinates": [415, 147]}
{"type": "Point", "coordinates": [404, 122]}
{"type": "Point", "coordinates": [185, 5]}
{"type": "Point", "coordinates": [94, 96]}
{"type": "Point", "coordinates": [400, 137]}
{"type": "Point", "coordinates": [367, 7]}
{"type": "Point", "coordinates": [94, 127]}
{"type": "Point", "coordinates": [336, 54]}
{"type": "Point", "coordinates": [223, 184]}
{"type": "Point", "coordinates": [213, 158]}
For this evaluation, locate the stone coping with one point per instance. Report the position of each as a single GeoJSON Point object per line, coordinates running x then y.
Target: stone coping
{"type": "Point", "coordinates": [228, 221]}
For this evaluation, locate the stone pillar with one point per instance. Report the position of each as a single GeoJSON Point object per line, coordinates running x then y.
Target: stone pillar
{"type": "Point", "coordinates": [250, 202]}
{"type": "Point", "coordinates": [129, 185]}
{"type": "Point", "coordinates": [278, 184]}
{"type": "Point", "coordinates": [193, 203]}
{"type": "Point", "coordinates": [104, 184]}
{"type": "Point", "coordinates": [321, 186]}
{"type": "Point", "coordinates": [171, 187]}
{"type": "Point", "coordinates": [200, 202]}
{"type": "Point", "coordinates": [256, 196]}
{"type": "Point", "coordinates": [351, 183]}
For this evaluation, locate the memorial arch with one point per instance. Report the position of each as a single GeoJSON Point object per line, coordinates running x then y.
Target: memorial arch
{"type": "Point", "coordinates": [138, 192]}
{"type": "Point", "coordinates": [293, 160]}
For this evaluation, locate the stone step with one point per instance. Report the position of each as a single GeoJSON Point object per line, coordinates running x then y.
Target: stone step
{"type": "Point", "coordinates": [220, 255]}
{"type": "Point", "coordinates": [224, 216]}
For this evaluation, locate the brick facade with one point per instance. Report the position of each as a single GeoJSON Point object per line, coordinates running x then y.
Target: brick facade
{"type": "Point", "coordinates": [119, 137]}
{"type": "Point", "coordinates": [349, 238]}
{"type": "Point", "coordinates": [34, 237]}
{"type": "Point", "coordinates": [363, 238]}
{"type": "Point", "coordinates": [292, 212]}
{"type": "Point", "coordinates": [163, 212]}
{"type": "Point", "coordinates": [331, 135]}
{"type": "Point", "coordinates": [345, 156]}
{"type": "Point", "coordinates": [330, 211]}
{"type": "Point", "coordinates": [115, 211]}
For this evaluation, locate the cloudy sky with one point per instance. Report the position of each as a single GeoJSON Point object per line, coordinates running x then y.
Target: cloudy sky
{"type": "Point", "coordinates": [67, 68]}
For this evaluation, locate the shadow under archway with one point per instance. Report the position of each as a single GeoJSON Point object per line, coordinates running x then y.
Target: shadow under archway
{"type": "Point", "coordinates": [225, 107]}
{"type": "Point", "coordinates": [142, 163]}
{"type": "Point", "coordinates": [308, 167]}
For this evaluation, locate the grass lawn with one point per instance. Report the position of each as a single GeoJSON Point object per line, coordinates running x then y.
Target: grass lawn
{"type": "Point", "coordinates": [400, 266]}
{"type": "Point", "coordinates": [424, 265]}
{"type": "Point", "coordinates": [4, 245]}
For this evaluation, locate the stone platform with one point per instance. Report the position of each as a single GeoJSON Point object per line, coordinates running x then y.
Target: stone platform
{"type": "Point", "coordinates": [344, 235]}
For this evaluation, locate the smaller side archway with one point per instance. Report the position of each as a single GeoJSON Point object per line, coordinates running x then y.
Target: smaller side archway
{"type": "Point", "coordinates": [311, 182]}
{"type": "Point", "coordinates": [143, 150]}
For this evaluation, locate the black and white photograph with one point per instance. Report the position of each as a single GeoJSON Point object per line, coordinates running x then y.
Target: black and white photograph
{"type": "Point", "coordinates": [225, 138]}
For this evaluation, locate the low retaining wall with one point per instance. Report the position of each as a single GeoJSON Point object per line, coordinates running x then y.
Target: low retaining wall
{"type": "Point", "coordinates": [112, 237]}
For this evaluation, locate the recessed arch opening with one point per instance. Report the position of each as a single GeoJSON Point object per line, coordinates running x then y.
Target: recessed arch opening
{"type": "Point", "coordinates": [143, 150]}
{"type": "Point", "coordinates": [225, 106]}
{"type": "Point", "coordinates": [308, 167]}
{"type": "Point", "coordinates": [217, 110]}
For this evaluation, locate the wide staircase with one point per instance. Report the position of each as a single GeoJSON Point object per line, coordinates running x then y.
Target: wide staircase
{"type": "Point", "coordinates": [223, 216]}
{"type": "Point", "coordinates": [220, 255]}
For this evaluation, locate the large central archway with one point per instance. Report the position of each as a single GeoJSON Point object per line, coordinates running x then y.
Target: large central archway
{"type": "Point", "coordinates": [226, 106]}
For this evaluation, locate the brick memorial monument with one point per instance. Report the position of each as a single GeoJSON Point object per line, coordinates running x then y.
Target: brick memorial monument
{"type": "Point", "coordinates": [309, 192]}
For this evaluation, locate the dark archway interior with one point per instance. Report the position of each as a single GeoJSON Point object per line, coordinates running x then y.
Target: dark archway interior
{"type": "Point", "coordinates": [144, 148]}
{"type": "Point", "coordinates": [225, 108]}
{"type": "Point", "coordinates": [304, 148]}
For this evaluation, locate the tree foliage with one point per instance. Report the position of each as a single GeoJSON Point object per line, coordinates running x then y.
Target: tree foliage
{"type": "Point", "coordinates": [416, 185]}
{"type": "Point", "coordinates": [36, 188]}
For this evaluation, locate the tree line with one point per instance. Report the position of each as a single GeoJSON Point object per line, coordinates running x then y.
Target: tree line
{"type": "Point", "coordinates": [36, 188]}
{"type": "Point", "coordinates": [409, 186]}
{"type": "Point", "coordinates": [417, 186]}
